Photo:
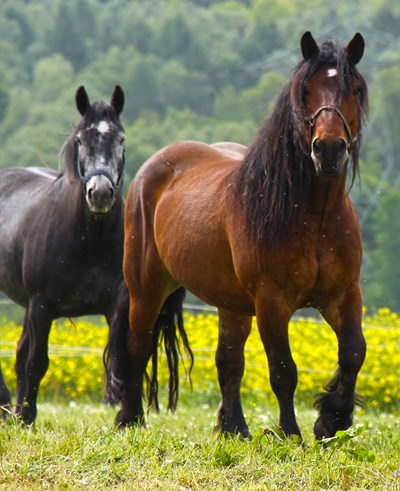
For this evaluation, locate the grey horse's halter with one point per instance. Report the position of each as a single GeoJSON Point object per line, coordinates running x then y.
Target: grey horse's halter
{"type": "Point", "coordinates": [97, 172]}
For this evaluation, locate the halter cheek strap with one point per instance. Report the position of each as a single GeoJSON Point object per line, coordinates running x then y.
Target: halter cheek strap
{"type": "Point", "coordinates": [97, 172]}
{"type": "Point", "coordinates": [311, 121]}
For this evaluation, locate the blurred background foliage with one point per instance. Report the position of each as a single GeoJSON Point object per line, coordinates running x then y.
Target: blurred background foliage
{"type": "Point", "coordinates": [204, 70]}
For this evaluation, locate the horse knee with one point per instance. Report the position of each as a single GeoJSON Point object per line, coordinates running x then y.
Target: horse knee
{"type": "Point", "coordinates": [352, 354]}
{"type": "Point", "coordinates": [37, 366]}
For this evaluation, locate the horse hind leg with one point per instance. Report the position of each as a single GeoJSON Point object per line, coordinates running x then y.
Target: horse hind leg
{"type": "Point", "coordinates": [149, 317]}
{"type": "Point", "coordinates": [115, 357]}
{"type": "Point", "coordinates": [336, 405]}
{"type": "Point", "coordinates": [233, 333]}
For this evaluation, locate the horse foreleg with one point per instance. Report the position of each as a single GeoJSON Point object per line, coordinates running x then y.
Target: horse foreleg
{"type": "Point", "coordinates": [273, 323]}
{"type": "Point", "coordinates": [233, 333]}
{"type": "Point", "coordinates": [336, 406]}
{"type": "Point", "coordinates": [32, 358]}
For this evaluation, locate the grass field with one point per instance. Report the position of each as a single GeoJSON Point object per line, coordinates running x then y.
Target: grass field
{"type": "Point", "coordinates": [74, 445]}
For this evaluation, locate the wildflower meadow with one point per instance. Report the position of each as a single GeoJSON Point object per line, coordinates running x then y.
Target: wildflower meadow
{"type": "Point", "coordinates": [76, 367]}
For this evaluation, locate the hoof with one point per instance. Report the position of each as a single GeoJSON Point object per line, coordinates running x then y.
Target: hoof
{"type": "Point", "coordinates": [26, 414]}
{"type": "Point", "coordinates": [320, 431]}
{"type": "Point", "coordinates": [123, 420]}
{"type": "Point", "coordinates": [326, 426]}
{"type": "Point", "coordinates": [243, 433]}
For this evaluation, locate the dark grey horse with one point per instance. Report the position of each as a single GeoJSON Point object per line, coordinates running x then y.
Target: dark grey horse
{"type": "Point", "coordinates": [61, 239]}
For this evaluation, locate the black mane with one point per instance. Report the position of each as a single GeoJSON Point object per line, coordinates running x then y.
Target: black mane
{"type": "Point", "coordinates": [275, 177]}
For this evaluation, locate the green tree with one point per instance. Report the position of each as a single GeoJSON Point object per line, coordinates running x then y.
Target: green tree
{"type": "Point", "coordinates": [51, 76]}
{"type": "Point", "coordinates": [385, 290]}
{"type": "Point", "coordinates": [176, 40]}
{"type": "Point", "coordinates": [263, 38]}
{"type": "Point", "coordinates": [67, 35]}
{"type": "Point", "coordinates": [142, 87]}
{"type": "Point", "coordinates": [182, 88]}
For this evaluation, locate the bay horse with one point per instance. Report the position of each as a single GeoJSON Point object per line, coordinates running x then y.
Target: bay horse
{"type": "Point", "coordinates": [61, 239]}
{"type": "Point", "coordinates": [261, 231]}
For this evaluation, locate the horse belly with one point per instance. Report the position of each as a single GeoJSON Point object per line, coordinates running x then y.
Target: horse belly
{"type": "Point", "coordinates": [196, 253]}
{"type": "Point", "coordinates": [86, 298]}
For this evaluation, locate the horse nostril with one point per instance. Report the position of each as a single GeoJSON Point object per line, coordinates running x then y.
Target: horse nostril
{"type": "Point", "coordinates": [342, 145]}
{"type": "Point", "coordinates": [99, 195]}
{"type": "Point", "coordinates": [317, 147]}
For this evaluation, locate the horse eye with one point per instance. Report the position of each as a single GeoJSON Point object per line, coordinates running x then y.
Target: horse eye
{"type": "Point", "coordinates": [122, 140]}
{"type": "Point", "coordinates": [357, 91]}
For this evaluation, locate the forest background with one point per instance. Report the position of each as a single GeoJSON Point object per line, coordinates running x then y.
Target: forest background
{"type": "Point", "coordinates": [202, 70]}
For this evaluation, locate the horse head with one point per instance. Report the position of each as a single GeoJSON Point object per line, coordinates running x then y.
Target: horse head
{"type": "Point", "coordinates": [333, 95]}
{"type": "Point", "coordinates": [99, 150]}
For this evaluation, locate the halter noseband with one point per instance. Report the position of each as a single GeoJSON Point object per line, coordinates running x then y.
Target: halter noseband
{"type": "Point", "coordinates": [311, 121]}
{"type": "Point", "coordinates": [97, 172]}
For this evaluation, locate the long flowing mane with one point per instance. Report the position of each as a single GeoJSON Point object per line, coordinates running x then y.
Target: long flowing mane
{"type": "Point", "coordinates": [275, 177]}
{"type": "Point", "coordinates": [98, 111]}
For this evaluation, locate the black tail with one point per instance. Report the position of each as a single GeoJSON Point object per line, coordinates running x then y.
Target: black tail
{"type": "Point", "coordinates": [115, 356]}
{"type": "Point", "coordinates": [169, 321]}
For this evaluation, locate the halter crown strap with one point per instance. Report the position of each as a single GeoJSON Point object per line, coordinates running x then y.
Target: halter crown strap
{"type": "Point", "coordinates": [97, 172]}
{"type": "Point", "coordinates": [311, 120]}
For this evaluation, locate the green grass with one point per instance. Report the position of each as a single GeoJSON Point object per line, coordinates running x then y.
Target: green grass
{"type": "Point", "coordinates": [76, 447]}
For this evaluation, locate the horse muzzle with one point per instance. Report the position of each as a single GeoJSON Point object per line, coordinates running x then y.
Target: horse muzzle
{"type": "Point", "coordinates": [100, 195]}
{"type": "Point", "coordinates": [329, 156]}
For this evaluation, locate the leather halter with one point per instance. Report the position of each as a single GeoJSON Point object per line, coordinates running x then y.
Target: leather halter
{"type": "Point", "coordinates": [311, 121]}
{"type": "Point", "coordinates": [97, 172]}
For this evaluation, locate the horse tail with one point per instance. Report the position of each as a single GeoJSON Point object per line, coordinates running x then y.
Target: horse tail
{"type": "Point", "coordinates": [170, 330]}
{"type": "Point", "coordinates": [116, 357]}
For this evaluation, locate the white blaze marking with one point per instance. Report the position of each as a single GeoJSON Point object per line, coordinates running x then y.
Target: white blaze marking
{"type": "Point", "coordinates": [103, 127]}
{"type": "Point", "coordinates": [332, 72]}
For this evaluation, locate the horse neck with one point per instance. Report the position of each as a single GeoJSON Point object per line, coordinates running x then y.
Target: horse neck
{"type": "Point", "coordinates": [327, 195]}
{"type": "Point", "coordinates": [84, 224]}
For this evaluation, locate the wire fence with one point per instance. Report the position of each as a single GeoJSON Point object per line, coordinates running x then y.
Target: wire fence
{"type": "Point", "coordinates": [202, 352]}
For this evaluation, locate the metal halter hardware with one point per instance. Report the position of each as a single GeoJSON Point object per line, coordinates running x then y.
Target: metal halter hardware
{"type": "Point", "coordinates": [96, 172]}
{"type": "Point", "coordinates": [311, 121]}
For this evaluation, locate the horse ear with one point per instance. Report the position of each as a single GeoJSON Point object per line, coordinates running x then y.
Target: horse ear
{"type": "Point", "coordinates": [118, 99]}
{"type": "Point", "coordinates": [309, 47]}
{"type": "Point", "coordinates": [355, 48]}
{"type": "Point", "coordinates": [82, 100]}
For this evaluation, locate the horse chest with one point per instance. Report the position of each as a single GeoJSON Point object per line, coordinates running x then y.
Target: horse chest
{"type": "Point", "coordinates": [333, 264]}
{"type": "Point", "coordinates": [313, 265]}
